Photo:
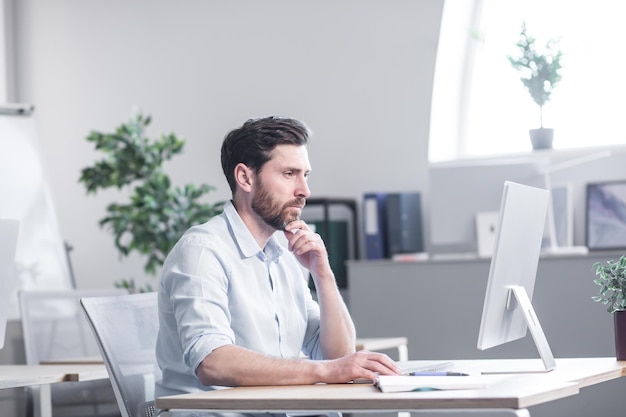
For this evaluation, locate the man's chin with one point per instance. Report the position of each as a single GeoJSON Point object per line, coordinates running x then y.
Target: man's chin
{"type": "Point", "coordinates": [289, 220]}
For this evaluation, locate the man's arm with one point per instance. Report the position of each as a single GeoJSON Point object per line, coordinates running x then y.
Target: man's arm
{"type": "Point", "coordinates": [232, 365]}
{"type": "Point", "coordinates": [337, 332]}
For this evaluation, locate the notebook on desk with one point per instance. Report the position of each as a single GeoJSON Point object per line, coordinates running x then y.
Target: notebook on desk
{"type": "Point", "coordinates": [405, 383]}
{"type": "Point", "coordinates": [421, 377]}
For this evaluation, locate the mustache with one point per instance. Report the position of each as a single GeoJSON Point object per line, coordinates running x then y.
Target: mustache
{"type": "Point", "coordinates": [300, 201]}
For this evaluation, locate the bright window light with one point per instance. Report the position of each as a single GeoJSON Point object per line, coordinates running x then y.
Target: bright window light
{"type": "Point", "coordinates": [480, 106]}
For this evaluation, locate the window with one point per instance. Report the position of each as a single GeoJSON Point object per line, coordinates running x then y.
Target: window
{"type": "Point", "coordinates": [480, 106]}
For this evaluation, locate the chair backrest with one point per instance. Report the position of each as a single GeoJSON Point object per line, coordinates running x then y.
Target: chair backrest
{"type": "Point", "coordinates": [126, 329]}
{"type": "Point", "coordinates": [54, 327]}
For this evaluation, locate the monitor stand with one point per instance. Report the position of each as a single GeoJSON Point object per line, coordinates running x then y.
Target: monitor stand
{"type": "Point", "coordinates": [518, 298]}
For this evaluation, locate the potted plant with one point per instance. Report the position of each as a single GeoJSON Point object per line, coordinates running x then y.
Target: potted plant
{"type": "Point", "coordinates": [156, 213]}
{"type": "Point", "coordinates": [611, 277]}
{"type": "Point", "coordinates": [540, 73]}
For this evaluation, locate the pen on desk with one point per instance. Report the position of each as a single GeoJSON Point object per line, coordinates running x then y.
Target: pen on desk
{"type": "Point", "coordinates": [437, 373]}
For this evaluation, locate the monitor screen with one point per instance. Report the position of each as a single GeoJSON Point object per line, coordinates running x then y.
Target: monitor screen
{"type": "Point", "coordinates": [507, 311]}
{"type": "Point", "coordinates": [8, 243]}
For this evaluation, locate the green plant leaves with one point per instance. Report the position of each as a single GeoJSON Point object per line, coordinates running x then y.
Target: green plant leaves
{"type": "Point", "coordinates": [539, 72]}
{"type": "Point", "coordinates": [157, 214]}
{"type": "Point", "coordinates": [128, 155]}
{"type": "Point", "coordinates": [611, 277]}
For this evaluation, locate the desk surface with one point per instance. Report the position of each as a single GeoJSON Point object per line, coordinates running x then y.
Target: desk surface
{"type": "Point", "coordinates": [86, 360]}
{"type": "Point", "coordinates": [512, 391]}
{"type": "Point", "coordinates": [13, 376]}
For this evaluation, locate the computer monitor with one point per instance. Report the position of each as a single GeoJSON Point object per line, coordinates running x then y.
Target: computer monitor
{"type": "Point", "coordinates": [8, 243]}
{"type": "Point", "coordinates": [508, 311]}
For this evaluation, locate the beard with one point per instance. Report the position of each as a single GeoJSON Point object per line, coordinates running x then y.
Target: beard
{"type": "Point", "coordinates": [272, 212]}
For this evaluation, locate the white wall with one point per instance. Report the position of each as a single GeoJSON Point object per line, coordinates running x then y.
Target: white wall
{"type": "Point", "coordinates": [359, 72]}
{"type": "Point", "coordinates": [3, 53]}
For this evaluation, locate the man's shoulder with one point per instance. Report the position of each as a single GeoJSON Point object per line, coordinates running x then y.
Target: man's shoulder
{"type": "Point", "coordinates": [203, 241]}
{"type": "Point", "coordinates": [204, 233]}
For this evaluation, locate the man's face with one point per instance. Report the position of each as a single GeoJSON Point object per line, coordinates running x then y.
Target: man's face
{"type": "Point", "coordinates": [281, 186]}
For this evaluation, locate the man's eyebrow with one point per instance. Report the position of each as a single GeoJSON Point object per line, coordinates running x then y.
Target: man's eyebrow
{"type": "Point", "coordinates": [294, 169]}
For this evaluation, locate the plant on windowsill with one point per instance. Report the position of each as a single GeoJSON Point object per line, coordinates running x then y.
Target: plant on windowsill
{"type": "Point", "coordinates": [611, 277]}
{"type": "Point", "coordinates": [540, 73]}
{"type": "Point", "coordinates": [157, 214]}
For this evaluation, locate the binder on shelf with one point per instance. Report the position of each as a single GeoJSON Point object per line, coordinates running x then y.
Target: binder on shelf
{"type": "Point", "coordinates": [339, 232]}
{"type": "Point", "coordinates": [404, 223]}
{"type": "Point", "coordinates": [375, 225]}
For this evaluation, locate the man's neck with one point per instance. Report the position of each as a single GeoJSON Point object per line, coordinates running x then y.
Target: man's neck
{"type": "Point", "coordinates": [261, 231]}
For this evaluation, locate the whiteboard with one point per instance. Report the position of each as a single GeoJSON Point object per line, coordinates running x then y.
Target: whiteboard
{"type": "Point", "coordinates": [40, 257]}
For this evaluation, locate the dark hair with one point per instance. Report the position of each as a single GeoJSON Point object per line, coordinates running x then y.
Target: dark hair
{"type": "Point", "coordinates": [252, 144]}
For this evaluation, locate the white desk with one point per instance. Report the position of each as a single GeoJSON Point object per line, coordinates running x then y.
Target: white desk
{"type": "Point", "coordinates": [512, 392]}
{"type": "Point", "coordinates": [15, 376]}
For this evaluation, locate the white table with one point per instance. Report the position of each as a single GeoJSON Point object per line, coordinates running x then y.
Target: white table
{"type": "Point", "coordinates": [43, 376]}
{"type": "Point", "coordinates": [512, 392]}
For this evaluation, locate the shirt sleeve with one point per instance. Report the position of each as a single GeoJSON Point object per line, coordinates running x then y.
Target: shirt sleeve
{"type": "Point", "coordinates": [197, 284]}
{"type": "Point", "coordinates": [311, 346]}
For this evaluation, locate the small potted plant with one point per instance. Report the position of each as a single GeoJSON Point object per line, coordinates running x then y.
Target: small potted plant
{"type": "Point", "coordinates": [540, 73]}
{"type": "Point", "coordinates": [611, 277]}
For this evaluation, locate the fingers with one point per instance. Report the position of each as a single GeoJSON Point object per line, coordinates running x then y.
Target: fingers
{"type": "Point", "coordinates": [306, 244]}
{"type": "Point", "coordinates": [360, 365]}
{"type": "Point", "coordinates": [380, 363]}
{"type": "Point", "coordinates": [296, 226]}
{"type": "Point", "coordinates": [372, 364]}
{"type": "Point", "coordinates": [302, 239]}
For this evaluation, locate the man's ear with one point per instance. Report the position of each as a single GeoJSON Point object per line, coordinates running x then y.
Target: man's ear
{"type": "Point", "coordinates": [243, 176]}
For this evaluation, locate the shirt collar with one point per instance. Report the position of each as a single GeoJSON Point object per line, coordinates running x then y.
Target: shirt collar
{"type": "Point", "coordinates": [244, 239]}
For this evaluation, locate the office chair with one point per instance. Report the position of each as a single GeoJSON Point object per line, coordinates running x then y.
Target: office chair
{"type": "Point", "coordinates": [126, 329]}
{"type": "Point", "coordinates": [55, 330]}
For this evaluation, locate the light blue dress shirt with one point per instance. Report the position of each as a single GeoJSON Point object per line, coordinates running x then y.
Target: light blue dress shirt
{"type": "Point", "coordinates": [218, 288]}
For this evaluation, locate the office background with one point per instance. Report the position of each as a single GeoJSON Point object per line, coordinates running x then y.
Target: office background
{"type": "Point", "coordinates": [359, 73]}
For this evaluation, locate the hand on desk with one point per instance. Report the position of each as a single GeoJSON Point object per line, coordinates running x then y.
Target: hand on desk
{"type": "Point", "coordinates": [362, 365]}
